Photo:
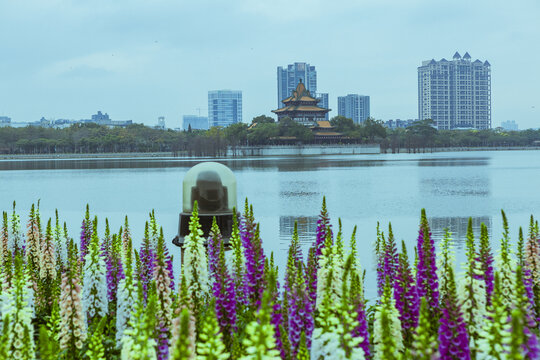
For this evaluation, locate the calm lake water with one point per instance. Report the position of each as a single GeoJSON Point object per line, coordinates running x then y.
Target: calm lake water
{"type": "Point", "coordinates": [360, 189]}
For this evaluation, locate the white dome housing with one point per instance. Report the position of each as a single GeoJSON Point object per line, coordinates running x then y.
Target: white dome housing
{"type": "Point", "coordinates": [212, 185]}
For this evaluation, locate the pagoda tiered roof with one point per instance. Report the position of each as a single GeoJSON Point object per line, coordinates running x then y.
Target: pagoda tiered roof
{"type": "Point", "coordinates": [300, 101]}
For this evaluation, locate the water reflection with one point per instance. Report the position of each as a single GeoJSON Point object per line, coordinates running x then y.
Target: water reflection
{"type": "Point", "coordinates": [294, 189]}
{"type": "Point", "coordinates": [458, 228]}
{"type": "Point", "coordinates": [461, 161]}
{"type": "Point", "coordinates": [457, 186]}
{"type": "Point", "coordinates": [282, 164]}
{"type": "Point", "coordinates": [307, 229]}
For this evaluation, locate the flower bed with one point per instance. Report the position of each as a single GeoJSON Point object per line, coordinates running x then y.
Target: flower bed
{"type": "Point", "coordinates": [98, 298]}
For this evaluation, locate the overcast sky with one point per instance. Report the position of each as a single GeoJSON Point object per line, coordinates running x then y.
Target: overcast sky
{"type": "Point", "coordinates": [141, 59]}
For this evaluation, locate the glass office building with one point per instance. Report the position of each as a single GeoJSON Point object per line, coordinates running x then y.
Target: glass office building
{"type": "Point", "coordinates": [224, 107]}
{"type": "Point", "coordinates": [195, 122]}
{"type": "Point", "coordinates": [288, 78]}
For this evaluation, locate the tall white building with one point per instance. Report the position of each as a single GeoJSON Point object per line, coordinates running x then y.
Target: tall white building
{"type": "Point", "coordinates": [354, 106]}
{"type": "Point", "coordinates": [224, 107]}
{"type": "Point", "coordinates": [455, 94]}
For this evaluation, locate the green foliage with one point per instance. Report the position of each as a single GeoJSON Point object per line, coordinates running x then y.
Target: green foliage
{"type": "Point", "coordinates": [236, 134]}
{"type": "Point", "coordinates": [291, 128]}
{"type": "Point", "coordinates": [183, 347]}
{"type": "Point", "coordinates": [49, 348]}
{"type": "Point", "coordinates": [518, 338]}
{"type": "Point", "coordinates": [369, 130]}
{"type": "Point", "coordinates": [94, 138]}
{"type": "Point", "coordinates": [238, 252]}
{"type": "Point", "coordinates": [388, 338]}
{"type": "Point", "coordinates": [263, 119]}
{"type": "Point", "coordinates": [260, 341]}
{"type": "Point", "coordinates": [445, 264]}
{"type": "Point", "coordinates": [496, 332]}
{"type": "Point", "coordinates": [210, 345]}
{"type": "Point", "coordinates": [262, 134]}
{"type": "Point", "coordinates": [303, 353]}
{"type": "Point", "coordinates": [96, 350]}
{"type": "Point", "coordinates": [424, 346]}
{"type": "Point", "coordinates": [138, 342]}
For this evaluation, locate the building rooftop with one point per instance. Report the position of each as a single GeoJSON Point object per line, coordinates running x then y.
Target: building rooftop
{"type": "Point", "coordinates": [300, 108]}
{"type": "Point", "coordinates": [300, 94]}
{"type": "Point", "coordinates": [324, 124]}
{"type": "Point", "coordinates": [300, 100]}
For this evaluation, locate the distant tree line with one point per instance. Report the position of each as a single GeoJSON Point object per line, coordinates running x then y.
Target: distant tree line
{"type": "Point", "coordinates": [264, 130]}
{"type": "Point", "coordinates": [422, 136]}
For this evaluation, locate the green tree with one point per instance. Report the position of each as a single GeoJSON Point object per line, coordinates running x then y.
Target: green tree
{"type": "Point", "coordinates": [343, 124]}
{"type": "Point", "coordinates": [263, 119]}
{"type": "Point", "coordinates": [261, 134]}
{"type": "Point", "coordinates": [421, 134]}
{"type": "Point", "coordinates": [373, 129]}
{"type": "Point", "coordinates": [236, 134]}
{"type": "Point", "coordinates": [289, 127]}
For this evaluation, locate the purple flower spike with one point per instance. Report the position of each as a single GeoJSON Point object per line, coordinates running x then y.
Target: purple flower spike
{"type": "Point", "coordinates": [86, 235]}
{"type": "Point", "coordinates": [485, 258]}
{"type": "Point", "coordinates": [406, 295]}
{"type": "Point", "coordinates": [115, 273]}
{"type": "Point", "coordinates": [170, 268]}
{"type": "Point", "coordinates": [223, 287]}
{"type": "Point", "coordinates": [531, 349]}
{"type": "Point", "coordinates": [163, 343]}
{"type": "Point", "coordinates": [426, 275]}
{"type": "Point", "coordinates": [390, 258]}
{"type": "Point", "coordinates": [148, 262]}
{"type": "Point", "coordinates": [453, 339]}
{"type": "Point", "coordinates": [323, 227]}
{"type": "Point", "coordinates": [362, 329]}
{"type": "Point", "coordinates": [253, 252]}
{"type": "Point", "coordinates": [300, 308]}
{"type": "Point", "coordinates": [277, 321]}
{"type": "Point", "coordinates": [311, 277]}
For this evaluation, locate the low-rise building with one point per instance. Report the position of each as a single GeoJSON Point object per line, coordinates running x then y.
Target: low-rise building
{"type": "Point", "coordinates": [161, 123]}
{"type": "Point", "coordinates": [398, 123]}
{"type": "Point", "coordinates": [5, 121]}
{"type": "Point", "coordinates": [194, 122]}
{"type": "Point", "coordinates": [510, 125]}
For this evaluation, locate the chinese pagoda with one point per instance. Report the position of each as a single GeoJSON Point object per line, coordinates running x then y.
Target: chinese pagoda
{"type": "Point", "coordinates": [301, 107]}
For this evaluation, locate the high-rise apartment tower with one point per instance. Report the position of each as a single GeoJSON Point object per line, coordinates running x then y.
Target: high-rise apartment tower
{"type": "Point", "coordinates": [355, 107]}
{"type": "Point", "coordinates": [455, 94]}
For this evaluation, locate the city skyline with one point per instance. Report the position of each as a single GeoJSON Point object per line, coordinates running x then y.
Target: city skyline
{"type": "Point", "coordinates": [66, 59]}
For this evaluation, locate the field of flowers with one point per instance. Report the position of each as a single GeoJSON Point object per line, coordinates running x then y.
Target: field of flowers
{"type": "Point", "coordinates": [99, 298]}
